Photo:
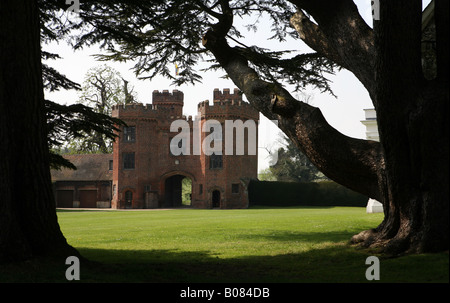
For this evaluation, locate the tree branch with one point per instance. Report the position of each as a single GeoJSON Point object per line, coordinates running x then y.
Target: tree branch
{"type": "Point", "coordinates": [350, 162]}
{"type": "Point", "coordinates": [312, 35]}
{"type": "Point", "coordinates": [340, 34]}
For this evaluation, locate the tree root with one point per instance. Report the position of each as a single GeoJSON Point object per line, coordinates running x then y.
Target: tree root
{"type": "Point", "coordinates": [364, 238]}
{"type": "Point", "coordinates": [400, 244]}
{"type": "Point", "coordinates": [374, 240]}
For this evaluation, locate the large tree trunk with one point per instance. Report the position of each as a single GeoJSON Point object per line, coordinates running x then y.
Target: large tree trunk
{"type": "Point", "coordinates": [413, 125]}
{"type": "Point", "coordinates": [28, 222]}
{"type": "Point", "coordinates": [408, 170]}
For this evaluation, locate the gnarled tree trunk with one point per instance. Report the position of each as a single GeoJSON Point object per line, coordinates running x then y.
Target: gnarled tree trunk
{"type": "Point", "coordinates": [413, 127]}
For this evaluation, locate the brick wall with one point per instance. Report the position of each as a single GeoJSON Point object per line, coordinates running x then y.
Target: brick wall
{"type": "Point", "coordinates": [154, 164]}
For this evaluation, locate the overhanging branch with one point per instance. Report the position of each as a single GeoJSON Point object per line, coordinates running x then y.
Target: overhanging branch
{"type": "Point", "coordinates": [340, 34]}
{"type": "Point", "coordinates": [351, 162]}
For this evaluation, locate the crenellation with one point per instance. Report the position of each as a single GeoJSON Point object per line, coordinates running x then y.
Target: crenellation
{"type": "Point", "coordinates": [229, 105]}
{"type": "Point", "coordinates": [224, 104]}
{"type": "Point", "coordinates": [226, 95]}
{"type": "Point", "coordinates": [166, 97]}
{"type": "Point", "coordinates": [133, 106]}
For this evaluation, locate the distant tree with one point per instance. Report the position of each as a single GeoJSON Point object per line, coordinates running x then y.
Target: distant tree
{"type": "Point", "coordinates": [130, 96]}
{"type": "Point", "coordinates": [266, 175]}
{"type": "Point", "coordinates": [103, 88]}
{"type": "Point", "coordinates": [293, 165]}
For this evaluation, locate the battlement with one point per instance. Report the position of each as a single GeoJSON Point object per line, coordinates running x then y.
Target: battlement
{"type": "Point", "coordinates": [147, 111]}
{"type": "Point", "coordinates": [168, 105]}
{"type": "Point", "coordinates": [136, 107]}
{"type": "Point", "coordinates": [225, 95]}
{"type": "Point", "coordinates": [227, 105]}
{"type": "Point", "coordinates": [139, 110]}
{"type": "Point", "coordinates": [224, 103]}
{"type": "Point", "coordinates": [166, 97]}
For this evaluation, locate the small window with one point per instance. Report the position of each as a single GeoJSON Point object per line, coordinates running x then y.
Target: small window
{"type": "Point", "coordinates": [215, 161]}
{"type": "Point", "coordinates": [110, 164]}
{"type": "Point", "coordinates": [128, 160]}
{"type": "Point", "coordinates": [129, 133]}
{"type": "Point", "coordinates": [235, 188]}
{"type": "Point", "coordinates": [200, 189]}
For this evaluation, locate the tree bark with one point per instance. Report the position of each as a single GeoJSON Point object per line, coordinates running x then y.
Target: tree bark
{"type": "Point", "coordinates": [28, 221]}
{"type": "Point", "coordinates": [414, 134]}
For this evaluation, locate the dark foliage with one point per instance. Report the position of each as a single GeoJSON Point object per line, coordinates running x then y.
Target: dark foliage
{"type": "Point", "coordinates": [66, 122]}
{"type": "Point", "coordinates": [158, 34]}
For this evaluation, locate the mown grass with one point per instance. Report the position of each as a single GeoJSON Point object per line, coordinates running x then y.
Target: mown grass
{"type": "Point", "coordinates": [251, 245]}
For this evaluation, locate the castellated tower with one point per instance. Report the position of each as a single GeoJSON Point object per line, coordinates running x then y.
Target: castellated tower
{"type": "Point", "coordinates": [146, 172]}
{"type": "Point", "coordinates": [226, 176]}
{"type": "Point", "coordinates": [172, 101]}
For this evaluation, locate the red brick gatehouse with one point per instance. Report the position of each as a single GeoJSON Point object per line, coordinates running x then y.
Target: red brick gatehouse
{"type": "Point", "coordinates": [142, 172]}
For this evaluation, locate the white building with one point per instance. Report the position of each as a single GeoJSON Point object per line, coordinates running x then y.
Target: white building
{"type": "Point", "coordinates": [371, 125]}
{"type": "Point", "coordinates": [373, 206]}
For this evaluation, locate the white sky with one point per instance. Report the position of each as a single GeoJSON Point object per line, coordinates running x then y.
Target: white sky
{"type": "Point", "coordinates": [343, 113]}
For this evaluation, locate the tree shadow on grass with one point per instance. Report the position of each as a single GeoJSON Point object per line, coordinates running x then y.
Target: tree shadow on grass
{"type": "Point", "coordinates": [305, 237]}
{"type": "Point", "coordinates": [333, 264]}
{"type": "Point", "coordinates": [324, 265]}
{"type": "Point", "coordinates": [174, 266]}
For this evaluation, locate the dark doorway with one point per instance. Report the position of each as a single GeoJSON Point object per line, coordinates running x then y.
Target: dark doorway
{"type": "Point", "coordinates": [64, 198]}
{"type": "Point", "coordinates": [216, 199]}
{"type": "Point", "coordinates": [177, 191]}
{"type": "Point", "coordinates": [128, 199]}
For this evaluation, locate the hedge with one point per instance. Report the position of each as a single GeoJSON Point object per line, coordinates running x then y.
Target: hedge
{"type": "Point", "coordinates": [327, 193]}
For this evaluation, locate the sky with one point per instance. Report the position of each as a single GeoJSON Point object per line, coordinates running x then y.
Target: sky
{"type": "Point", "coordinates": [344, 113]}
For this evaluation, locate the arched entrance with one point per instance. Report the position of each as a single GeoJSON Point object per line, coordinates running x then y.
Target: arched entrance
{"type": "Point", "coordinates": [177, 191]}
{"type": "Point", "coordinates": [215, 196]}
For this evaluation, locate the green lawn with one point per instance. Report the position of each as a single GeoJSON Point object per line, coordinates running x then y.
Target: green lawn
{"type": "Point", "coordinates": [250, 245]}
